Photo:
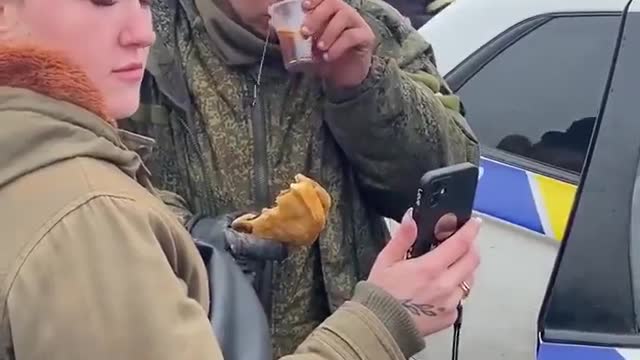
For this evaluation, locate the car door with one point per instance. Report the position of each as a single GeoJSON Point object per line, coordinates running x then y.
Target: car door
{"type": "Point", "coordinates": [531, 74]}
{"type": "Point", "coordinates": [531, 95]}
{"type": "Point", "coordinates": [592, 303]}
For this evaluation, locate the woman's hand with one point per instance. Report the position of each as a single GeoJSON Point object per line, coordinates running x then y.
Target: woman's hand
{"type": "Point", "coordinates": [430, 286]}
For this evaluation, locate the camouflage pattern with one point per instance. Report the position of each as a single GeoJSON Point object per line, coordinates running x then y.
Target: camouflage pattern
{"type": "Point", "coordinates": [368, 147]}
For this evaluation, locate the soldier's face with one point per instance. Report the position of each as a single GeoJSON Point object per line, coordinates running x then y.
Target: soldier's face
{"type": "Point", "coordinates": [254, 15]}
{"type": "Point", "coordinates": [108, 39]}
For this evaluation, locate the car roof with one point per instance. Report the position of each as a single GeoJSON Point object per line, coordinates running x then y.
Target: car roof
{"type": "Point", "coordinates": [466, 25]}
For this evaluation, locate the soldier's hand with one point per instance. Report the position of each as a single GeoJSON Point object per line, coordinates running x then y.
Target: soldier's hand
{"type": "Point", "coordinates": [249, 252]}
{"type": "Point", "coordinates": [429, 286]}
{"type": "Point", "coordinates": [343, 37]}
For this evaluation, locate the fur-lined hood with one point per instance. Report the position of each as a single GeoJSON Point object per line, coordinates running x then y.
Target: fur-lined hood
{"type": "Point", "coordinates": [50, 112]}
{"type": "Point", "coordinates": [50, 74]}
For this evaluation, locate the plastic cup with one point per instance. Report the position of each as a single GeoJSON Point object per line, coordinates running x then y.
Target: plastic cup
{"type": "Point", "coordinates": [287, 17]}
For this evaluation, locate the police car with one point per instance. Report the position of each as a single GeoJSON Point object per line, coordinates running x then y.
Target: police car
{"type": "Point", "coordinates": [551, 89]}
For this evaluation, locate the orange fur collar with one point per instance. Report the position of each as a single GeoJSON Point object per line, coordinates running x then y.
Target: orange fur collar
{"type": "Point", "coordinates": [49, 73]}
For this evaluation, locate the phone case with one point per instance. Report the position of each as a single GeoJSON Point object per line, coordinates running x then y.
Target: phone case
{"type": "Point", "coordinates": [444, 203]}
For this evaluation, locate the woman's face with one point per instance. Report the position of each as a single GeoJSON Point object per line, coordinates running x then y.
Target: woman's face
{"type": "Point", "coordinates": [108, 39]}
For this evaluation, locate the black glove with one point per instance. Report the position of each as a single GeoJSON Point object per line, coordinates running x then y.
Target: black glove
{"type": "Point", "coordinates": [250, 253]}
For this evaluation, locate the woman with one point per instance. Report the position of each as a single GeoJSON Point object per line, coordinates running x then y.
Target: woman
{"type": "Point", "coordinates": [92, 265]}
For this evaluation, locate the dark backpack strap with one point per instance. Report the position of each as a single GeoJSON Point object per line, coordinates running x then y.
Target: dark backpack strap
{"type": "Point", "coordinates": [237, 317]}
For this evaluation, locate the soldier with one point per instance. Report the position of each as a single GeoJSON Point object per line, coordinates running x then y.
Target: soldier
{"type": "Point", "coordinates": [233, 128]}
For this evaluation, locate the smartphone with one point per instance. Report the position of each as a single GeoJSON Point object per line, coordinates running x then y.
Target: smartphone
{"type": "Point", "coordinates": [444, 203]}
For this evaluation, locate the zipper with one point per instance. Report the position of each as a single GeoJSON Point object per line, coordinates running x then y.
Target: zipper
{"type": "Point", "coordinates": [260, 160]}
{"type": "Point", "coordinates": [261, 184]}
{"type": "Point", "coordinates": [259, 126]}
{"type": "Point", "coordinates": [261, 178]}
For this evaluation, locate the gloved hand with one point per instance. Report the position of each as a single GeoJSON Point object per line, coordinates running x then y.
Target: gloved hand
{"type": "Point", "coordinates": [250, 252]}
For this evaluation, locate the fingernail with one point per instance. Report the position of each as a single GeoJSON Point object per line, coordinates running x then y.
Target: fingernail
{"type": "Point", "coordinates": [305, 31]}
{"type": "Point", "coordinates": [407, 215]}
{"type": "Point", "coordinates": [306, 4]}
{"type": "Point", "coordinates": [322, 45]}
{"type": "Point", "coordinates": [478, 220]}
{"type": "Point", "coordinates": [325, 57]}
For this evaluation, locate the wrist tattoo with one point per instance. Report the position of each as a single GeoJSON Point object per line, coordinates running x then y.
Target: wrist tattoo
{"type": "Point", "coordinates": [419, 309]}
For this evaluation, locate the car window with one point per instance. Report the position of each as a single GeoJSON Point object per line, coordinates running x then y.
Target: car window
{"type": "Point", "coordinates": [539, 97]}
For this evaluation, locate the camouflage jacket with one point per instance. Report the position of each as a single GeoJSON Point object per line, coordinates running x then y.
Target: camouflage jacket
{"type": "Point", "coordinates": [224, 143]}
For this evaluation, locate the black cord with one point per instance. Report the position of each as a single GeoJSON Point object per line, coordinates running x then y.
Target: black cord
{"type": "Point", "coordinates": [456, 334]}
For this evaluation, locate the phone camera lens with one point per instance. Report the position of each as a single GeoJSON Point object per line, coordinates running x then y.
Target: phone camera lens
{"type": "Point", "coordinates": [433, 201]}
{"type": "Point", "coordinates": [437, 186]}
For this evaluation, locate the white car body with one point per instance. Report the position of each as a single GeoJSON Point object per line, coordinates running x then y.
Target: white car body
{"type": "Point", "coordinates": [466, 25]}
